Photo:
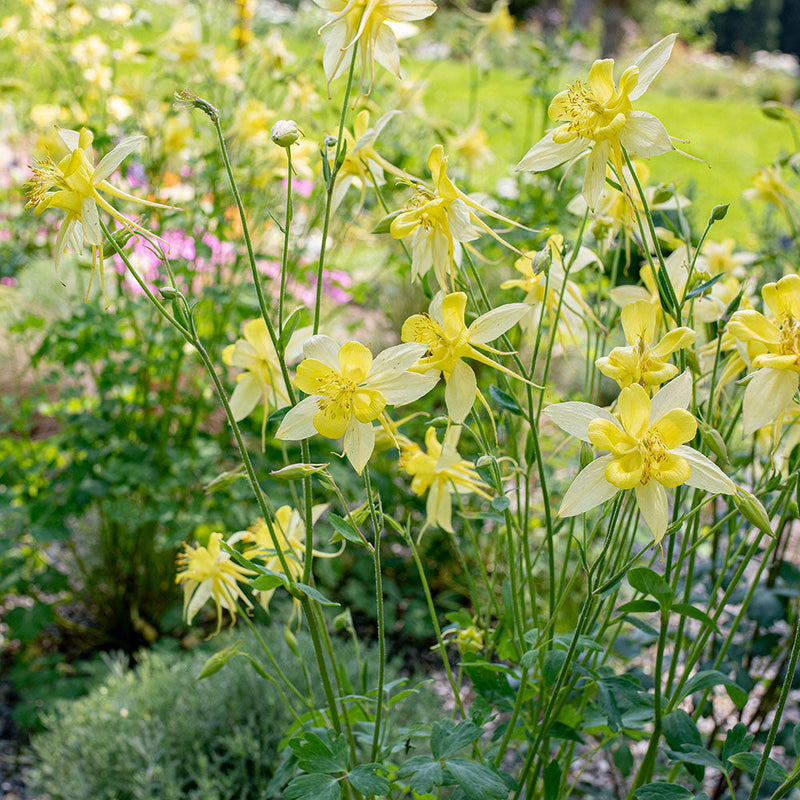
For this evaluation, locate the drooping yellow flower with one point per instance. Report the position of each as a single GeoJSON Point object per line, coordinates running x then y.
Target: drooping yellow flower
{"type": "Point", "coordinates": [600, 115]}
{"type": "Point", "coordinates": [73, 185]}
{"type": "Point", "coordinates": [640, 361]}
{"type": "Point", "coordinates": [615, 212]}
{"type": "Point", "coordinates": [209, 572]}
{"type": "Point", "coordinates": [548, 288]}
{"type": "Point", "coordinates": [440, 471]}
{"type": "Point", "coordinates": [262, 380]}
{"type": "Point", "coordinates": [348, 391]}
{"type": "Point", "coordinates": [770, 187]}
{"type": "Point", "coordinates": [363, 23]}
{"type": "Point", "coordinates": [362, 164]}
{"type": "Point", "coordinates": [448, 341]}
{"type": "Point", "coordinates": [438, 219]}
{"type": "Point", "coordinates": [774, 349]}
{"type": "Point", "coordinates": [290, 530]}
{"type": "Point", "coordinates": [648, 451]}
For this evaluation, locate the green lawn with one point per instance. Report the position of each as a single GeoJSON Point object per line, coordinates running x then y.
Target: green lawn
{"type": "Point", "coordinates": [734, 138]}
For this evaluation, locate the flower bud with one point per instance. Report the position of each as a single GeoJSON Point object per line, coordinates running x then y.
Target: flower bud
{"type": "Point", "coordinates": [752, 510]}
{"type": "Point", "coordinates": [285, 132]}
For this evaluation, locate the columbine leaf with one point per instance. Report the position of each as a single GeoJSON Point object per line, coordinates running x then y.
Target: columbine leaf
{"type": "Point", "coordinates": [344, 529]}
{"type": "Point", "coordinates": [313, 787]}
{"type": "Point", "coordinates": [424, 772]}
{"type": "Point", "coordinates": [505, 400]}
{"type": "Point", "coordinates": [318, 754]}
{"type": "Point", "coordinates": [365, 779]}
{"type": "Point", "coordinates": [662, 791]}
{"type": "Point", "coordinates": [447, 737]}
{"type": "Point", "coordinates": [749, 763]}
{"type": "Point", "coordinates": [314, 594]}
{"type": "Point", "coordinates": [647, 581]}
{"type": "Point", "coordinates": [478, 782]}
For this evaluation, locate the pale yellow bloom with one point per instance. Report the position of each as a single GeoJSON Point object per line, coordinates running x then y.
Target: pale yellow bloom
{"type": "Point", "coordinates": [600, 114]}
{"type": "Point", "coordinates": [363, 24]}
{"type": "Point", "coordinates": [73, 185]}
{"type": "Point", "coordinates": [448, 341]}
{"type": "Point", "coordinates": [547, 286]}
{"type": "Point", "coordinates": [774, 349]}
{"type": "Point", "coordinates": [648, 451]}
{"type": "Point", "coordinates": [262, 380]}
{"type": "Point", "coordinates": [440, 471]}
{"type": "Point", "coordinates": [439, 219]}
{"type": "Point", "coordinates": [770, 187]}
{"type": "Point", "coordinates": [348, 390]}
{"type": "Point", "coordinates": [641, 361]}
{"type": "Point", "coordinates": [362, 164]}
{"type": "Point", "coordinates": [290, 531]}
{"type": "Point", "coordinates": [209, 572]}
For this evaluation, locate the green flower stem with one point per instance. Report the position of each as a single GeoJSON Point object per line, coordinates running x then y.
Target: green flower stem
{"type": "Point", "coordinates": [773, 731]}
{"type": "Point", "coordinates": [308, 610]}
{"type": "Point", "coordinates": [307, 702]}
{"type": "Point", "coordinates": [645, 771]}
{"type": "Point", "coordinates": [262, 303]}
{"type": "Point", "coordinates": [329, 191]}
{"type": "Point", "coordinates": [377, 527]}
{"type": "Point", "coordinates": [537, 753]}
{"type": "Point", "coordinates": [432, 611]}
{"type": "Point", "coordinates": [264, 505]}
{"type": "Point", "coordinates": [286, 231]}
{"type": "Point", "coordinates": [661, 275]}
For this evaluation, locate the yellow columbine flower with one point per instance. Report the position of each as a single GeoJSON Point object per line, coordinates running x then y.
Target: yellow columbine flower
{"type": "Point", "coordinates": [261, 381]}
{"type": "Point", "coordinates": [548, 288]}
{"type": "Point", "coordinates": [363, 23]}
{"type": "Point", "coordinates": [74, 185]}
{"type": "Point", "coordinates": [348, 391]}
{"type": "Point", "coordinates": [648, 454]}
{"type": "Point", "coordinates": [641, 362]}
{"type": "Point", "coordinates": [362, 164]}
{"type": "Point", "coordinates": [438, 219]}
{"type": "Point", "coordinates": [599, 115]}
{"type": "Point", "coordinates": [209, 572]}
{"type": "Point", "coordinates": [774, 349]}
{"type": "Point", "coordinates": [615, 212]}
{"type": "Point", "coordinates": [769, 186]}
{"type": "Point", "coordinates": [290, 530]}
{"type": "Point", "coordinates": [440, 471]}
{"type": "Point", "coordinates": [447, 341]}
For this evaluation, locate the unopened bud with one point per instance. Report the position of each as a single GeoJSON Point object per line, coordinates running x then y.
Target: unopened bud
{"type": "Point", "coordinates": [541, 261]}
{"type": "Point", "coordinates": [285, 132]}
{"type": "Point", "coordinates": [291, 642]}
{"type": "Point", "coordinates": [168, 293]}
{"type": "Point", "coordinates": [751, 508]}
{"type": "Point", "coordinates": [293, 472]}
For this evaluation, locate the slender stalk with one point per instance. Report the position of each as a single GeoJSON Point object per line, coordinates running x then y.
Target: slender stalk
{"type": "Point", "coordinates": [329, 191]}
{"type": "Point", "coordinates": [286, 230]}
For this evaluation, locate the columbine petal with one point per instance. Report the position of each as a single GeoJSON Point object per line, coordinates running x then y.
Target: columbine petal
{"type": "Point", "coordinates": [588, 490]}
{"type": "Point", "coordinates": [677, 426]}
{"type": "Point", "coordinates": [91, 222]}
{"type": "Point", "coordinates": [298, 422]}
{"type": "Point", "coordinates": [113, 159]}
{"type": "Point", "coordinates": [409, 387]}
{"type": "Point", "coordinates": [390, 365]}
{"type": "Point", "coordinates": [359, 442]}
{"type": "Point", "coordinates": [651, 62]}
{"type": "Point", "coordinates": [246, 396]}
{"type": "Point", "coordinates": [768, 394]}
{"type": "Point", "coordinates": [675, 394]}
{"type": "Point", "coordinates": [496, 322]}
{"type": "Point", "coordinates": [546, 153]}
{"type": "Point", "coordinates": [645, 135]}
{"type": "Point", "coordinates": [574, 417]}
{"type": "Point", "coordinates": [633, 410]}
{"type": "Point", "coordinates": [652, 500]}
{"type": "Point", "coordinates": [595, 179]}
{"type": "Point", "coordinates": [386, 52]}
{"type": "Point", "coordinates": [704, 474]}
{"type": "Point", "coordinates": [460, 392]}
{"type": "Point", "coordinates": [324, 349]}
